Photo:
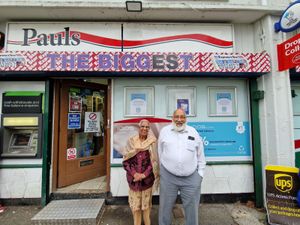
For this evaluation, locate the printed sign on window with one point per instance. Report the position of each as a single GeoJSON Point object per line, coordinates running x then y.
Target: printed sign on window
{"type": "Point", "coordinates": [71, 153]}
{"type": "Point", "coordinates": [75, 103]}
{"type": "Point", "coordinates": [92, 122]}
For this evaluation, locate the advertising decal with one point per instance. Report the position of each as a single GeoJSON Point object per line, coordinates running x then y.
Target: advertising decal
{"type": "Point", "coordinates": [217, 147]}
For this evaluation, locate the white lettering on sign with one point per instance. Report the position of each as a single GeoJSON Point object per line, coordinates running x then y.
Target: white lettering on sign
{"type": "Point", "coordinates": [292, 47]}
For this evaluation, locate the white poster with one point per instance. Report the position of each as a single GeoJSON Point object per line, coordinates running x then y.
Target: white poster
{"type": "Point", "coordinates": [224, 103]}
{"type": "Point", "coordinates": [71, 153]}
{"type": "Point", "coordinates": [92, 122]}
{"type": "Point", "coordinates": [138, 104]}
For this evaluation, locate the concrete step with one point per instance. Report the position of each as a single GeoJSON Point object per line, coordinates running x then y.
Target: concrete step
{"type": "Point", "coordinates": [70, 212]}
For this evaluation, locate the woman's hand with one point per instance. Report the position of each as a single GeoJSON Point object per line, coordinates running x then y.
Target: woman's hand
{"type": "Point", "coordinates": [138, 177]}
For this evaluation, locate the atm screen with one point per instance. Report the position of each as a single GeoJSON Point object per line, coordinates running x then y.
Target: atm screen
{"type": "Point", "coordinates": [20, 139]}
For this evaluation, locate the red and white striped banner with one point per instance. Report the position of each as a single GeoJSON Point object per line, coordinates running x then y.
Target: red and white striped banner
{"type": "Point", "coordinates": [135, 62]}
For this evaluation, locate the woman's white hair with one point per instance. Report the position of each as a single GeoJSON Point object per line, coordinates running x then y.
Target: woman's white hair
{"type": "Point", "coordinates": [143, 120]}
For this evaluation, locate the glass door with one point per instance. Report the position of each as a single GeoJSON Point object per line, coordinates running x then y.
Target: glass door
{"type": "Point", "coordinates": [82, 154]}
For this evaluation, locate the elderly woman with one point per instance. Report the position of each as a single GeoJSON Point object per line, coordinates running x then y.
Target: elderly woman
{"type": "Point", "coordinates": [140, 163]}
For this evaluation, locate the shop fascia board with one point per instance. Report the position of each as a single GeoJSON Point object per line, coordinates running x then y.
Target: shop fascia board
{"type": "Point", "coordinates": [116, 10]}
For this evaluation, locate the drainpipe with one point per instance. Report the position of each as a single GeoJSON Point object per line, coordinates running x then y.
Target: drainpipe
{"type": "Point", "coordinates": [46, 147]}
{"type": "Point", "coordinates": [255, 96]}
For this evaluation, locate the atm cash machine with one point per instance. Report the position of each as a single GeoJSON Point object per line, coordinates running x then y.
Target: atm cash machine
{"type": "Point", "coordinates": [21, 125]}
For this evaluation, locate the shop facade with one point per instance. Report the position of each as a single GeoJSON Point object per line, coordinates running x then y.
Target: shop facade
{"type": "Point", "coordinates": [99, 79]}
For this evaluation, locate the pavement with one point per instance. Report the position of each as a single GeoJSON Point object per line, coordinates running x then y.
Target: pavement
{"type": "Point", "coordinates": [210, 214]}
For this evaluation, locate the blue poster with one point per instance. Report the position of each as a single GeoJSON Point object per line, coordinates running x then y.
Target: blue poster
{"type": "Point", "coordinates": [225, 139]}
{"type": "Point", "coordinates": [183, 104]}
{"type": "Point", "coordinates": [74, 120]}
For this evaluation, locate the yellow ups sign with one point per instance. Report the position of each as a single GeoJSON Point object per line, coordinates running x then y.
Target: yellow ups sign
{"type": "Point", "coordinates": [282, 185]}
{"type": "Point", "coordinates": [283, 182]}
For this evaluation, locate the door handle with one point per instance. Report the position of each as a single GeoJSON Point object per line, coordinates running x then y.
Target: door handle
{"type": "Point", "coordinates": [108, 124]}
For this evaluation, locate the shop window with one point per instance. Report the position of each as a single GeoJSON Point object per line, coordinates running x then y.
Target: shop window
{"type": "Point", "coordinates": [222, 101]}
{"type": "Point", "coordinates": [139, 101]}
{"type": "Point", "coordinates": [182, 97]}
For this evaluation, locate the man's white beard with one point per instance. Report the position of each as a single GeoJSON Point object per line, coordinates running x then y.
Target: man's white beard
{"type": "Point", "coordinates": [179, 129]}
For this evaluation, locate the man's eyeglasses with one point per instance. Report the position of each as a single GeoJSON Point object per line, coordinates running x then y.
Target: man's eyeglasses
{"type": "Point", "coordinates": [146, 127]}
{"type": "Point", "coordinates": [179, 117]}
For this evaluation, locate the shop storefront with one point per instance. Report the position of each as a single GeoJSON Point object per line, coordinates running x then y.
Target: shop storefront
{"type": "Point", "coordinates": [99, 79]}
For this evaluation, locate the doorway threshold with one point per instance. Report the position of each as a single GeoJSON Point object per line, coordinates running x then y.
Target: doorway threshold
{"type": "Point", "coordinates": [94, 188]}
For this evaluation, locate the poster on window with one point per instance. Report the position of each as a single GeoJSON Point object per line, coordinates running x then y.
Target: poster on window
{"type": "Point", "coordinates": [75, 103]}
{"type": "Point", "coordinates": [124, 129]}
{"type": "Point", "coordinates": [181, 97]}
{"type": "Point", "coordinates": [184, 105]}
{"type": "Point", "coordinates": [138, 104]}
{"type": "Point", "coordinates": [139, 101]}
{"type": "Point", "coordinates": [234, 146]}
{"type": "Point", "coordinates": [92, 122]}
{"type": "Point", "coordinates": [224, 103]}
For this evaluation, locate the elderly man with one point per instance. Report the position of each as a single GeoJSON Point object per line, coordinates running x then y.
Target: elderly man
{"type": "Point", "coordinates": [182, 164]}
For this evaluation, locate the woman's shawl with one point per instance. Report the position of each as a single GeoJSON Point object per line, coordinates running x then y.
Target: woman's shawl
{"type": "Point", "coordinates": [135, 145]}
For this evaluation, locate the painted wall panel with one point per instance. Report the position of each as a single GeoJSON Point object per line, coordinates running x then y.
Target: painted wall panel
{"type": "Point", "coordinates": [20, 183]}
{"type": "Point", "coordinates": [243, 38]}
{"type": "Point", "coordinates": [180, 37]}
{"type": "Point", "coordinates": [218, 179]}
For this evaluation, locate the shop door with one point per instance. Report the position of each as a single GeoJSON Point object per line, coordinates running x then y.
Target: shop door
{"type": "Point", "coordinates": [82, 154]}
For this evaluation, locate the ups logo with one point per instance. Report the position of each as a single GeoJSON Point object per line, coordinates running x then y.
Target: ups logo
{"type": "Point", "coordinates": [283, 182]}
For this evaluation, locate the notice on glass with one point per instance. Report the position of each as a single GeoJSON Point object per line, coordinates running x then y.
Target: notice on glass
{"type": "Point", "coordinates": [224, 103]}
{"type": "Point", "coordinates": [92, 122]}
{"type": "Point", "coordinates": [184, 105]}
{"type": "Point", "coordinates": [71, 153]}
{"type": "Point", "coordinates": [138, 104]}
{"type": "Point", "coordinates": [75, 104]}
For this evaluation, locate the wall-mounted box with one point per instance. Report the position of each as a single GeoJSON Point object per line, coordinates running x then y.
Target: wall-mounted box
{"type": "Point", "coordinates": [21, 135]}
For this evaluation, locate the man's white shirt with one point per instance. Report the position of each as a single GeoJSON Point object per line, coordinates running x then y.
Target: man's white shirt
{"type": "Point", "coordinates": [181, 153]}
